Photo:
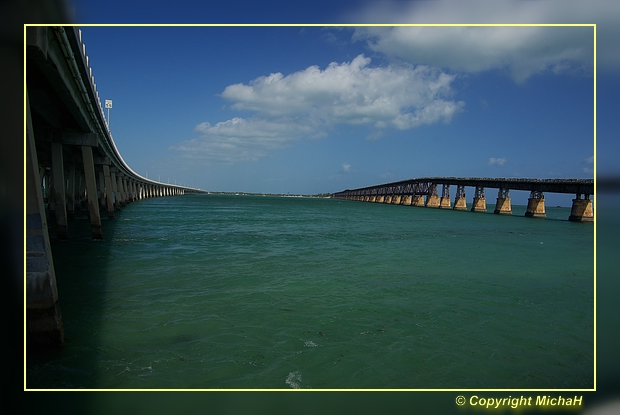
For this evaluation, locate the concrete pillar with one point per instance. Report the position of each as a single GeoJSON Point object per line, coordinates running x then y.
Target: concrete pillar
{"type": "Point", "coordinates": [502, 206]}
{"type": "Point", "coordinates": [114, 181]}
{"type": "Point", "coordinates": [418, 200]}
{"type": "Point", "coordinates": [379, 199]}
{"type": "Point", "coordinates": [71, 191]}
{"type": "Point", "coordinates": [582, 210]}
{"type": "Point", "coordinates": [58, 175]}
{"type": "Point", "coordinates": [460, 203]}
{"type": "Point", "coordinates": [479, 203]}
{"type": "Point", "coordinates": [387, 199]}
{"type": "Point", "coordinates": [126, 191]}
{"type": "Point", "coordinates": [444, 202]}
{"type": "Point", "coordinates": [43, 319]}
{"type": "Point", "coordinates": [372, 198]}
{"type": "Point", "coordinates": [91, 192]}
{"type": "Point", "coordinates": [396, 199]}
{"type": "Point", "coordinates": [119, 188]}
{"type": "Point", "coordinates": [406, 200]}
{"type": "Point", "coordinates": [81, 182]}
{"type": "Point", "coordinates": [432, 200]}
{"type": "Point", "coordinates": [536, 205]}
{"type": "Point", "coordinates": [108, 191]}
{"type": "Point", "coordinates": [101, 188]}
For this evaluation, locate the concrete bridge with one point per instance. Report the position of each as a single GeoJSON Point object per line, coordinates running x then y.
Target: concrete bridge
{"type": "Point", "coordinates": [412, 192]}
{"type": "Point", "coordinates": [71, 161]}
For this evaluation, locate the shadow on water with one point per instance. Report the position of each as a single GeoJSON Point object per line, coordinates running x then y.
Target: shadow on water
{"type": "Point", "coordinates": [81, 266]}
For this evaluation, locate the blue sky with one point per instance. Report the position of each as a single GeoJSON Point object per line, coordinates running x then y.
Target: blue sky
{"type": "Point", "coordinates": [321, 109]}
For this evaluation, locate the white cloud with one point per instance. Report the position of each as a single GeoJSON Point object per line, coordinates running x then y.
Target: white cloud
{"type": "Point", "coordinates": [241, 139]}
{"type": "Point", "coordinates": [346, 167]}
{"type": "Point", "coordinates": [351, 93]}
{"type": "Point", "coordinates": [589, 160]}
{"type": "Point", "coordinates": [497, 161]}
{"type": "Point", "coordinates": [307, 103]}
{"type": "Point", "coordinates": [521, 51]}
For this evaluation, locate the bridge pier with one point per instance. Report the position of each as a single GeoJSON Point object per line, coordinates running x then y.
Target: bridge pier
{"type": "Point", "coordinates": [396, 199]}
{"type": "Point", "coordinates": [581, 210]}
{"type": "Point", "coordinates": [387, 199]}
{"type": "Point", "coordinates": [91, 192]}
{"type": "Point", "coordinates": [418, 200]}
{"type": "Point", "coordinates": [536, 205]}
{"type": "Point", "coordinates": [109, 199]}
{"type": "Point", "coordinates": [58, 176]}
{"type": "Point", "coordinates": [444, 203]}
{"type": "Point", "coordinates": [379, 199]}
{"type": "Point", "coordinates": [432, 200]}
{"type": "Point", "coordinates": [479, 203]}
{"type": "Point", "coordinates": [502, 206]}
{"type": "Point", "coordinates": [43, 318]}
{"type": "Point", "coordinates": [406, 200]}
{"type": "Point", "coordinates": [71, 191]}
{"type": "Point", "coordinates": [460, 203]}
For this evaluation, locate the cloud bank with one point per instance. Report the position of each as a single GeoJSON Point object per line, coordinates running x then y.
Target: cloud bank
{"type": "Point", "coordinates": [520, 51]}
{"type": "Point", "coordinates": [308, 103]}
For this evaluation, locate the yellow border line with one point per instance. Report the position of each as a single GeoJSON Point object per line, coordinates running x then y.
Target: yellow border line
{"type": "Point", "coordinates": [594, 205]}
{"type": "Point", "coordinates": [319, 25]}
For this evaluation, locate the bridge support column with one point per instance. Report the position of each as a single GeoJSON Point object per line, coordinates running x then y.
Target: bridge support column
{"type": "Point", "coordinates": [101, 188]}
{"type": "Point", "coordinates": [387, 199]}
{"type": "Point", "coordinates": [121, 191]}
{"type": "Point", "coordinates": [43, 319]}
{"type": "Point", "coordinates": [372, 199]}
{"type": "Point", "coordinates": [418, 200]}
{"type": "Point", "coordinates": [379, 199]}
{"type": "Point", "coordinates": [432, 200]}
{"type": "Point", "coordinates": [406, 200]}
{"type": "Point", "coordinates": [460, 203]}
{"type": "Point", "coordinates": [444, 203]}
{"type": "Point", "coordinates": [479, 203]}
{"type": "Point", "coordinates": [58, 174]}
{"type": "Point", "coordinates": [582, 210]}
{"type": "Point", "coordinates": [536, 205]}
{"type": "Point", "coordinates": [91, 192]}
{"type": "Point", "coordinates": [71, 191]}
{"type": "Point", "coordinates": [396, 199]}
{"type": "Point", "coordinates": [109, 199]}
{"type": "Point", "coordinates": [502, 206]}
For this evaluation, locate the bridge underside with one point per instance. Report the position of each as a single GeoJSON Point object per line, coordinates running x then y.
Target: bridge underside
{"type": "Point", "coordinates": [72, 163]}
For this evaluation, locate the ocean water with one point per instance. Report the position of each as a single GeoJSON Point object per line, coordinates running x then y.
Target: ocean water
{"type": "Point", "coordinates": [244, 292]}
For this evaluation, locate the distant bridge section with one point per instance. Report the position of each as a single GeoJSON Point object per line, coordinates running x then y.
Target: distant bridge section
{"type": "Point", "coordinates": [71, 162]}
{"type": "Point", "coordinates": [424, 192]}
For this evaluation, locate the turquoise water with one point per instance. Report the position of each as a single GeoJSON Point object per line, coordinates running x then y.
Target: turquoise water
{"type": "Point", "coordinates": [213, 291]}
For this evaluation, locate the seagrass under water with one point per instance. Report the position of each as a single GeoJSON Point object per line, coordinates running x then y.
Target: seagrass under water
{"type": "Point", "coordinates": [212, 291]}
